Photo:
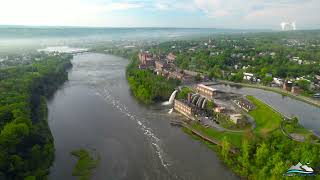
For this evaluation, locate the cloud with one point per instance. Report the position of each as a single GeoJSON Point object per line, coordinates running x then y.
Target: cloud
{"type": "Point", "coordinates": [267, 13]}
{"type": "Point", "coordinates": [61, 12]}
{"type": "Point", "coordinates": [204, 13]}
{"type": "Point", "coordinates": [305, 14]}
{"type": "Point", "coordinates": [177, 5]}
{"type": "Point", "coordinates": [219, 8]}
{"type": "Point", "coordinates": [121, 6]}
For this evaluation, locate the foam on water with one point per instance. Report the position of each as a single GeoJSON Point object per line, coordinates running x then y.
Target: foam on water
{"type": "Point", "coordinates": [155, 141]}
{"type": "Point", "coordinates": [166, 103]}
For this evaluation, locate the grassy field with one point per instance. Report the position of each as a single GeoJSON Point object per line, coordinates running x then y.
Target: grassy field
{"type": "Point", "coordinates": [234, 138]}
{"type": "Point", "coordinates": [265, 117]}
{"type": "Point", "coordinates": [85, 164]}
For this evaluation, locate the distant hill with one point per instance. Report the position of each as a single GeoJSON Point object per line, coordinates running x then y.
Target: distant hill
{"type": "Point", "coordinates": [9, 31]}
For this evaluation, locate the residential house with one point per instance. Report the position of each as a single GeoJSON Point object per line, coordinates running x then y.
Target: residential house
{"type": "Point", "coordinates": [287, 85]}
{"type": "Point", "coordinates": [248, 76]}
{"type": "Point", "coordinates": [278, 81]}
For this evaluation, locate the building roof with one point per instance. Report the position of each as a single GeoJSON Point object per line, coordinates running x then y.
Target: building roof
{"type": "Point", "coordinates": [235, 115]}
{"type": "Point", "coordinates": [207, 87]}
{"type": "Point", "coordinates": [248, 74]}
{"type": "Point", "coordinates": [160, 62]}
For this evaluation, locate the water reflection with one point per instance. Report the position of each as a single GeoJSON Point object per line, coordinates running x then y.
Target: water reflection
{"type": "Point", "coordinates": [95, 110]}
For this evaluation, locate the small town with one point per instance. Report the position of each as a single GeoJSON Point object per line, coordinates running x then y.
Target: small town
{"type": "Point", "coordinates": [195, 104]}
{"type": "Point", "coordinates": [159, 89]}
{"type": "Point", "coordinates": [221, 111]}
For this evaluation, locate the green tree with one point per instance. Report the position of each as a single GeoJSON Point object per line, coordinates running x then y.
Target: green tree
{"type": "Point", "coordinates": [184, 93]}
{"type": "Point", "coordinates": [238, 77]}
{"type": "Point", "coordinates": [304, 84]}
{"type": "Point", "coordinates": [244, 158]}
{"type": "Point", "coordinates": [262, 155]}
{"type": "Point", "coordinates": [225, 148]}
{"type": "Point", "coordinates": [267, 80]}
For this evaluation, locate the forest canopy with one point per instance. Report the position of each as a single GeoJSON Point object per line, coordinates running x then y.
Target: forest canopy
{"type": "Point", "coordinates": [26, 143]}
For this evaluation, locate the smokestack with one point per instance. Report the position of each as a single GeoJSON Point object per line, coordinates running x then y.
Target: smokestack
{"type": "Point", "coordinates": [294, 27]}
{"type": "Point", "coordinates": [287, 26]}
{"type": "Point", "coordinates": [283, 24]}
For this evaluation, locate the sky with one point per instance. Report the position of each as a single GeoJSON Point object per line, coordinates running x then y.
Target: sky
{"type": "Point", "coordinates": [236, 14]}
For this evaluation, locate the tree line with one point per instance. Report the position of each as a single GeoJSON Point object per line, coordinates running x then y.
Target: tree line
{"type": "Point", "coordinates": [144, 84]}
{"type": "Point", "coordinates": [26, 143]}
{"type": "Point", "coordinates": [270, 157]}
{"type": "Point", "coordinates": [147, 86]}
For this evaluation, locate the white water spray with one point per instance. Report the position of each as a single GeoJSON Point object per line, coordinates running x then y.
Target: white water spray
{"type": "Point", "coordinates": [173, 96]}
{"type": "Point", "coordinates": [171, 99]}
{"type": "Point", "coordinates": [155, 141]}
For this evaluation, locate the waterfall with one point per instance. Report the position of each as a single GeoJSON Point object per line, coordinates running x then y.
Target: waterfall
{"type": "Point", "coordinates": [173, 95]}
{"type": "Point", "coordinates": [199, 99]}
{"type": "Point", "coordinates": [204, 104]}
{"type": "Point", "coordinates": [199, 102]}
{"type": "Point", "coordinates": [195, 99]}
{"type": "Point", "coordinates": [170, 111]}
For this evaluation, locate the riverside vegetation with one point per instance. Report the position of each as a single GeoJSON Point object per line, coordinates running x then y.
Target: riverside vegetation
{"type": "Point", "coordinates": [26, 143]}
{"type": "Point", "coordinates": [85, 164]}
{"type": "Point", "coordinates": [147, 86]}
{"type": "Point", "coordinates": [264, 153]}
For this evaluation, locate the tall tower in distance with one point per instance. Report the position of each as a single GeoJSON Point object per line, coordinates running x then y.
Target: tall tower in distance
{"type": "Point", "coordinates": [288, 26]}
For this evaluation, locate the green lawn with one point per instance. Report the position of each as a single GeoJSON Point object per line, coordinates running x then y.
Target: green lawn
{"type": "Point", "coordinates": [265, 117]}
{"type": "Point", "coordinates": [85, 164]}
{"type": "Point", "coordinates": [234, 138]}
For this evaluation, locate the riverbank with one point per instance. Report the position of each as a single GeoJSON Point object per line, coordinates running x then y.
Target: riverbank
{"type": "Point", "coordinates": [26, 142]}
{"type": "Point", "coordinates": [95, 110]}
{"type": "Point", "coordinates": [255, 156]}
{"type": "Point", "coordinates": [262, 153]}
{"type": "Point", "coordinates": [148, 87]}
{"type": "Point", "coordinates": [276, 90]}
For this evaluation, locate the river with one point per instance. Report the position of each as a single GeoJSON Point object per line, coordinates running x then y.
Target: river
{"type": "Point", "coordinates": [95, 110]}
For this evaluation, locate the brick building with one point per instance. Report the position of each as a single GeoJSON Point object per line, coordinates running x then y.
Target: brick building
{"type": "Point", "coordinates": [171, 58]}
{"type": "Point", "coordinates": [183, 108]}
{"type": "Point", "coordinates": [206, 91]}
{"type": "Point", "coordinates": [176, 75]}
{"type": "Point", "coordinates": [161, 65]}
{"type": "Point", "coordinates": [146, 59]}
